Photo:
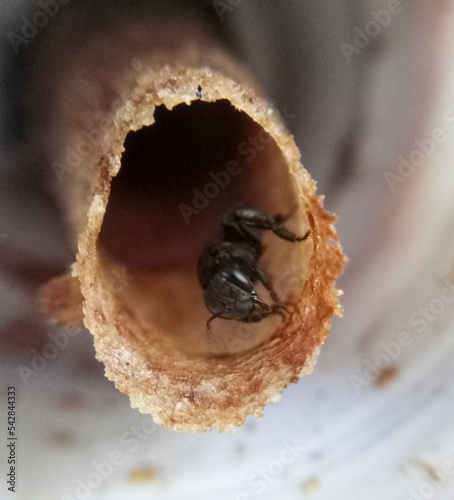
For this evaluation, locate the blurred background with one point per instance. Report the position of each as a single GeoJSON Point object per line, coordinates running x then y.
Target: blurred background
{"type": "Point", "coordinates": [367, 89]}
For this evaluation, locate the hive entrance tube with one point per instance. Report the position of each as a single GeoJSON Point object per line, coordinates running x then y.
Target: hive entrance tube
{"type": "Point", "coordinates": [178, 135]}
{"type": "Point", "coordinates": [178, 177]}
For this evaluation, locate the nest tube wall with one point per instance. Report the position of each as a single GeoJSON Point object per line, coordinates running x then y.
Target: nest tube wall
{"type": "Point", "coordinates": [152, 145]}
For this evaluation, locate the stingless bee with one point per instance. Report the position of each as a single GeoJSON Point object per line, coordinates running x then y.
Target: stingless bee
{"type": "Point", "coordinates": [228, 270]}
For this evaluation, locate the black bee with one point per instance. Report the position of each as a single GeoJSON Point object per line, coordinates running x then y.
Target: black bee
{"type": "Point", "coordinates": [228, 269]}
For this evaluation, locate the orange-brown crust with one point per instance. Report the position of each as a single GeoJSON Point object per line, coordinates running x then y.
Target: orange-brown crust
{"type": "Point", "coordinates": [198, 394]}
{"type": "Point", "coordinates": [196, 390]}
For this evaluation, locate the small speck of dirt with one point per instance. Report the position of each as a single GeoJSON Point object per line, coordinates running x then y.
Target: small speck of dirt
{"type": "Point", "coordinates": [240, 449]}
{"type": "Point", "coordinates": [70, 402]}
{"type": "Point", "coordinates": [310, 486]}
{"type": "Point", "coordinates": [61, 439]}
{"type": "Point", "coordinates": [430, 472]}
{"type": "Point", "coordinates": [386, 376]}
{"type": "Point", "coordinates": [142, 475]}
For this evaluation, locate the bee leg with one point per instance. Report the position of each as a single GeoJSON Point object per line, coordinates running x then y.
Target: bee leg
{"type": "Point", "coordinates": [281, 310]}
{"type": "Point", "coordinates": [209, 332]}
{"type": "Point", "coordinates": [254, 218]}
{"type": "Point", "coordinates": [265, 279]}
{"type": "Point", "coordinates": [278, 306]}
{"type": "Point", "coordinates": [285, 234]}
{"type": "Point", "coordinates": [210, 319]}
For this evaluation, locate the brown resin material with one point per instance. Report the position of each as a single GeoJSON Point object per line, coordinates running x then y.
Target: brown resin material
{"type": "Point", "coordinates": [184, 115]}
